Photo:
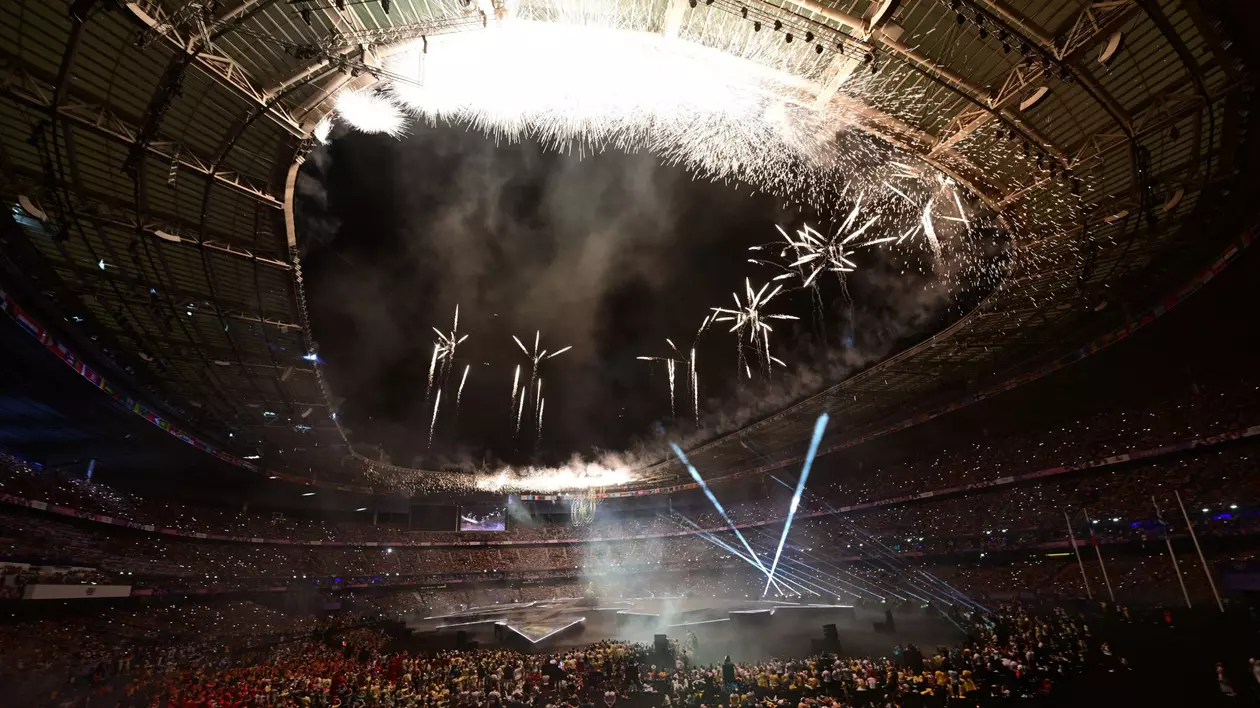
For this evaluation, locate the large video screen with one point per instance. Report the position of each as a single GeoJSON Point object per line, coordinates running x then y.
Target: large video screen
{"type": "Point", "coordinates": [483, 518]}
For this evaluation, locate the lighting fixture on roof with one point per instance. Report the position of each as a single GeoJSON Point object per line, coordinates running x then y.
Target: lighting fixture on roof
{"type": "Point", "coordinates": [28, 205]}
{"type": "Point", "coordinates": [1035, 98]}
{"type": "Point", "coordinates": [882, 14]}
{"type": "Point", "coordinates": [308, 494]}
{"type": "Point", "coordinates": [101, 264]}
{"type": "Point", "coordinates": [1113, 45]}
{"type": "Point", "coordinates": [362, 508]}
{"type": "Point", "coordinates": [252, 457]}
{"type": "Point", "coordinates": [1173, 200]}
{"type": "Point", "coordinates": [273, 476]}
{"type": "Point", "coordinates": [311, 357]}
{"type": "Point", "coordinates": [269, 414]}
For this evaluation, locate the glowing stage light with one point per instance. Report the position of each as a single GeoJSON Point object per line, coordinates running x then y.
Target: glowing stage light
{"type": "Point", "coordinates": [820, 427]}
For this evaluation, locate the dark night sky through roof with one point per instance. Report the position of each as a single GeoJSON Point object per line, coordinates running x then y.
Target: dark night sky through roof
{"type": "Point", "coordinates": [610, 253]}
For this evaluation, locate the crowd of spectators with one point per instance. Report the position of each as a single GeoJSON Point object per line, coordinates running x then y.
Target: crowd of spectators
{"type": "Point", "coordinates": [1011, 654]}
{"type": "Point", "coordinates": [1095, 432]}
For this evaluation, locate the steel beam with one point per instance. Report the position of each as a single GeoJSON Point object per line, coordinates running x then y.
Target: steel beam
{"type": "Point", "coordinates": [1025, 74]}
{"type": "Point", "coordinates": [141, 290]}
{"type": "Point", "coordinates": [22, 86]}
{"type": "Point", "coordinates": [1165, 109]}
{"type": "Point", "coordinates": [112, 212]}
{"type": "Point", "coordinates": [221, 67]}
{"type": "Point", "coordinates": [936, 71]}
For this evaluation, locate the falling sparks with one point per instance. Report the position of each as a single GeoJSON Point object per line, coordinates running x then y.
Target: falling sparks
{"type": "Point", "coordinates": [369, 111]}
{"type": "Point", "coordinates": [720, 102]}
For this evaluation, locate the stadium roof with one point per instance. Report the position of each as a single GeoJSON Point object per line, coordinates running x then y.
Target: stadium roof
{"type": "Point", "coordinates": [151, 147]}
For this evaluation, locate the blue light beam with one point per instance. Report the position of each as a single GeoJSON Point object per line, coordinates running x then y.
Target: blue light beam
{"type": "Point", "coordinates": [820, 427]}
{"type": "Point", "coordinates": [718, 505]}
{"type": "Point", "coordinates": [729, 548]}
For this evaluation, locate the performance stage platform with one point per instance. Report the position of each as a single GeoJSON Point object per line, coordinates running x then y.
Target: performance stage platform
{"type": "Point", "coordinates": [748, 630]}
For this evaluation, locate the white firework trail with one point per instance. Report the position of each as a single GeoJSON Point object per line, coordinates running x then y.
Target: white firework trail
{"type": "Point", "coordinates": [669, 366]}
{"type": "Point", "coordinates": [695, 388]}
{"type": "Point", "coordinates": [962, 213]}
{"type": "Point", "coordinates": [694, 376]}
{"type": "Point", "coordinates": [929, 230]}
{"type": "Point", "coordinates": [670, 370]}
{"type": "Point", "coordinates": [542, 402]}
{"type": "Point", "coordinates": [437, 401]}
{"type": "Point", "coordinates": [520, 410]}
{"type": "Point", "coordinates": [437, 353]}
{"type": "Point", "coordinates": [516, 380]}
{"type": "Point", "coordinates": [460, 393]}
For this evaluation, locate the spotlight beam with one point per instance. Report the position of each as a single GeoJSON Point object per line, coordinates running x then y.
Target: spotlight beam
{"type": "Point", "coordinates": [931, 580]}
{"type": "Point", "coordinates": [908, 585]}
{"type": "Point", "coordinates": [718, 505]}
{"type": "Point", "coordinates": [750, 558]}
{"type": "Point", "coordinates": [820, 427]}
{"type": "Point", "coordinates": [834, 581]}
{"type": "Point", "coordinates": [859, 581]}
{"type": "Point", "coordinates": [793, 584]}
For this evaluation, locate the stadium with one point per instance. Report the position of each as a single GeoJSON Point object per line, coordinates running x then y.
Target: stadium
{"type": "Point", "coordinates": [661, 353]}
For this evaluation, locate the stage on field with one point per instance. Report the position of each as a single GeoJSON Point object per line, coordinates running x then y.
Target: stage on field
{"type": "Point", "coordinates": [709, 628]}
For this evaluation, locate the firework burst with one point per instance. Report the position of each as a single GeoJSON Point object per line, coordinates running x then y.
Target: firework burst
{"type": "Point", "coordinates": [536, 356]}
{"type": "Point", "coordinates": [750, 321]}
{"type": "Point", "coordinates": [671, 365]}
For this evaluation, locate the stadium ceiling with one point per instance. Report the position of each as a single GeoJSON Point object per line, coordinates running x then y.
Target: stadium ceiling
{"type": "Point", "coordinates": [151, 147]}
